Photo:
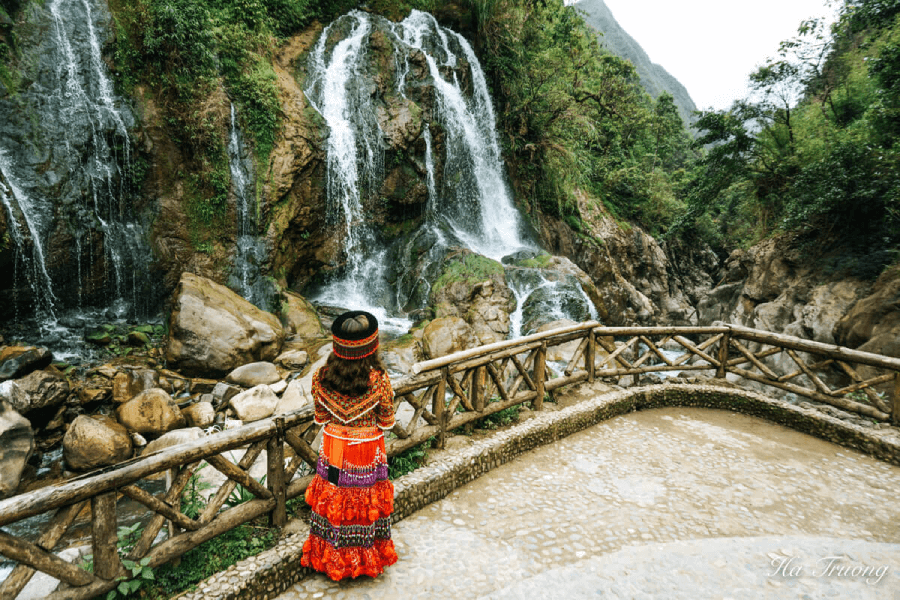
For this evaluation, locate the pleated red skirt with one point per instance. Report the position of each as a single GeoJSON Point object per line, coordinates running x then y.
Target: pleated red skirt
{"type": "Point", "coordinates": [352, 500]}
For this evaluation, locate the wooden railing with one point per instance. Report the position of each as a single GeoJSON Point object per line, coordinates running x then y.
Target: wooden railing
{"type": "Point", "coordinates": [442, 395]}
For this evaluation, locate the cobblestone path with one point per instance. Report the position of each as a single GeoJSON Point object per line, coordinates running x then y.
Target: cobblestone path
{"type": "Point", "coordinates": [669, 503]}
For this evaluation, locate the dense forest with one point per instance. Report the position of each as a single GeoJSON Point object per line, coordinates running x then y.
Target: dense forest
{"type": "Point", "coordinates": [811, 151]}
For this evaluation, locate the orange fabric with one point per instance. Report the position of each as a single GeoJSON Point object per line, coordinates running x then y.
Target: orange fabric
{"type": "Point", "coordinates": [352, 445]}
{"type": "Point", "coordinates": [350, 506]}
{"type": "Point", "coordinates": [346, 447]}
{"type": "Point", "coordinates": [347, 562]}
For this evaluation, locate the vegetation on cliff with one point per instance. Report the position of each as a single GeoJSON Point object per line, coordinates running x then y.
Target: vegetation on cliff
{"type": "Point", "coordinates": [575, 117]}
{"type": "Point", "coordinates": [813, 150]}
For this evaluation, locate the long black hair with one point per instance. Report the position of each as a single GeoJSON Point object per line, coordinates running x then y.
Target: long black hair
{"type": "Point", "coordinates": [351, 376]}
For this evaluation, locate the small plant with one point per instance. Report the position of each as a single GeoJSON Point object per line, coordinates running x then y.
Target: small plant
{"type": "Point", "coordinates": [141, 574]}
{"type": "Point", "coordinates": [192, 501]}
{"type": "Point", "coordinates": [409, 460]}
{"type": "Point", "coordinates": [240, 494]}
{"type": "Point", "coordinates": [141, 571]}
{"type": "Point", "coordinates": [506, 416]}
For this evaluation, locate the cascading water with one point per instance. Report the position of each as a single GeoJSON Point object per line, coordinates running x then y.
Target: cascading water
{"type": "Point", "coordinates": [35, 265]}
{"type": "Point", "coordinates": [542, 298]}
{"type": "Point", "coordinates": [355, 165]}
{"type": "Point", "coordinates": [87, 248]}
{"type": "Point", "coordinates": [469, 204]}
{"type": "Point", "coordinates": [246, 277]}
{"type": "Point", "coordinates": [477, 204]}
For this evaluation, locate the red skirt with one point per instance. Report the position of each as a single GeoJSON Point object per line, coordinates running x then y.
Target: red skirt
{"type": "Point", "coordinates": [352, 500]}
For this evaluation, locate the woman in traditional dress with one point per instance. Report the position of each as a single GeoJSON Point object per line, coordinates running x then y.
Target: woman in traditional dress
{"type": "Point", "coordinates": [351, 496]}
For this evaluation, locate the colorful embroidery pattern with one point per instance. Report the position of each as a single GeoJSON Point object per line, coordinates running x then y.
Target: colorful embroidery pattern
{"type": "Point", "coordinates": [352, 475]}
{"type": "Point", "coordinates": [374, 408]}
{"type": "Point", "coordinates": [342, 536]}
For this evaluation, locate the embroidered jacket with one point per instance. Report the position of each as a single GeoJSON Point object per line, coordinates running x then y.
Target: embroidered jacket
{"type": "Point", "coordinates": [375, 407]}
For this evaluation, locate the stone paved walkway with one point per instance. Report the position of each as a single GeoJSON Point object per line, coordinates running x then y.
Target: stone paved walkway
{"type": "Point", "coordinates": [669, 503]}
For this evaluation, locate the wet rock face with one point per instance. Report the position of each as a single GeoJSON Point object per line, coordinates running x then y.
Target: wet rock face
{"type": "Point", "coordinates": [638, 282]}
{"type": "Point", "coordinates": [212, 330]}
{"type": "Point", "coordinates": [65, 100]}
{"type": "Point", "coordinates": [18, 361]}
{"type": "Point", "coordinates": [16, 446]}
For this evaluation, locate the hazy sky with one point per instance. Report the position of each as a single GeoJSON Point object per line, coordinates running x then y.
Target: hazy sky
{"type": "Point", "coordinates": [711, 46]}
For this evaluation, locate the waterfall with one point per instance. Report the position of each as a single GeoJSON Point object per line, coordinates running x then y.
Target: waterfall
{"type": "Point", "coordinates": [478, 207]}
{"type": "Point", "coordinates": [250, 252]}
{"type": "Point", "coordinates": [35, 266]}
{"type": "Point", "coordinates": [78, 151]}
{"type": "Point", "coordinates": [85, 99]}
{"type": "Point", "coordinates": [355, 166]}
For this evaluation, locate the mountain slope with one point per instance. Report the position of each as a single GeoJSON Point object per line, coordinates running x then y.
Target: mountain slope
{"type": "Point", "coordinates": [654, 78]}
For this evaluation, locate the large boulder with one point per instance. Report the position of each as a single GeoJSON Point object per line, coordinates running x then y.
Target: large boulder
{"type": "Point", "coordinates": [212, 330]}
{"type": "Point", "coordinates": [16, 446]}
{"type": "Point", "coordinates": [42, 389]}
{"type": "Point", "coordinates": [873, 324]}
{"type": "Point", "coordinates": [447, 335]}
{"type": "Point", "coordinates": [473, 287]}
{"type": "Point", "coordinates": [256, 403]}
{"type": "Point", "coordinates": [300, 318]}
{"type": "Point", "coordinates": [294, 398]}
{"type": "Point", "coordinates": [93, 442]}
{"type": "Point", "coordinates": [293, 360]}
{"type": "Point", "coordinates": [150, 412]}
{"type": "Point", "coordinates": [201, 414]}
{"type": "Point", "coordinates": [18, 361]}
{"type": "Point", "coordinates": [173, 438]}
{"type": "Point", "coordinates": [560, 352]}
{"type": "Point", "coordinates": [402, 353]}
{"type": "Point", "coordinates": [253, 374]}
{"type": "Point", "coordinates": [129, 383]}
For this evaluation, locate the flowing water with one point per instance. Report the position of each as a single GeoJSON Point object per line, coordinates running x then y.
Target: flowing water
{"type": "Point", "coordinates": [470, 206]}
{"type": "Point", "coordinates": [86, 251]}
{"type": "Point", "coordinates": [246, 277]}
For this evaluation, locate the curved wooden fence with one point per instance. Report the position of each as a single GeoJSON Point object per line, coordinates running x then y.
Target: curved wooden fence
{"type": "Point", "coordinates": [441, 395]}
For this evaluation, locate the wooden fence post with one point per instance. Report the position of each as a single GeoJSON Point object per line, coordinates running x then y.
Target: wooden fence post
{"type": "Point", "coordinates": [104, 536]}
{"type": "Point", "coordinates": [275, 476]}
{"type": "Point", "coordinates": [476, 389]}
{"type": "Point", "coordinates": [540, 366]}
{"type": "Point", "coordinates": [589, 353]}
{"type": "Point", "coordinates": [723, 356]}
{"type": "Point", "coordinates": [438, 407]}
{"type": "Point", "coordinates": [895, 405]}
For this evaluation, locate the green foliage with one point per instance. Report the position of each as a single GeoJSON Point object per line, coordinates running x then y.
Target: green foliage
{"type": "Point", "coordinates": [240, 494]}
{"type": "Point", "coordinates": [409, 460]}
{"type": "Point", "coordinates": [574, 117]}
{"type": "Point", "coordinates": [468, 268]}
{"type": "Point", "coordinates": [814, 148]}
{"type": "Point", "coordinates": [213, 556]}
{"type": "Point", "coordinates": [141, 575]}
{"type": "Point", "coordinates": [501, 418]}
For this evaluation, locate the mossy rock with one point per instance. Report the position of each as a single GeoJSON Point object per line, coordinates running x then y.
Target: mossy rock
{"type": "Point", "coordinates": [99, 337]}
{"type": "Point", "coordinates": [467, 268]}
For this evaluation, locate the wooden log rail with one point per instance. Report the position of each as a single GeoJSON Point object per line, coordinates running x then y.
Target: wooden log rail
{"type": "Point", "coordinates": [441, 395]}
